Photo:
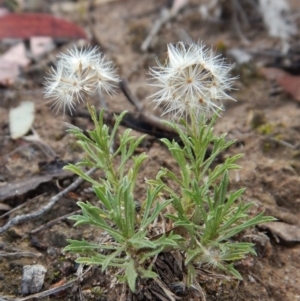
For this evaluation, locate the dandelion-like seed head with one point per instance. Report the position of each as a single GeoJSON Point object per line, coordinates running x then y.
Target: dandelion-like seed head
{"type": "Point", "coordinates": [212, 257]}
{"type": "Point", "coordinates": [78, 74]}
{"type": "Point", "coordinates": [193, 81]}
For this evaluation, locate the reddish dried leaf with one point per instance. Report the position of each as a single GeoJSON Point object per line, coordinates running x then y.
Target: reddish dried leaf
{"type": "Point", "coordinates": [73, 195]}
{"type": "Point", "coordinates": [57, 285]}
{"type": "Point", "coordinates": [289, 83]}
{"type": "Point", "coordinates": [272, 73]}
{"type": "Point", "coordinates": [25, 26]}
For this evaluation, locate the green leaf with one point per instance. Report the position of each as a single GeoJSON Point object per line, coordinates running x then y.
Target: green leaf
{"type": "Point", "coordinates": [259, 219]}
{"type": "Point", "coordinates": [147, 220]}
{"type": "Point", "coordinates": [100, 192]}
{"type": "Point", "coordinates": [110, 258]}
{"type": "Point", "coordinates": [191, 254]}
{"type": "Point", "coordinates": [169, 241]}
{"type": "Point", "coordinates": [152, 193]}
{"type": "Point", "coordinates": [146, 255]}
{"type": "Point", "coordinates": [131, 275]}
{"type": "Point", "coordinates": [82, 246]}
{"type": "Point", "coordinates": [80, 173]}
{"type": "Point", "coordinates": [129, 208]}
{"type": "Point", "coordinates": [191, 274]}
{"type": "Point", "coordinates": [117, 122]}
{"type": "Point", "coordinates": [147, 274]}
{"type": "Point", "coordinates": [234, 272]}
{"type": "Point", "coordinates": [141, 242]}
{"type": "Point", "coordinates": [137, 162]}
{"type": "Point", "coordinates": [232, 198]}
{"type": "Point", "coordinates": [99, 259]}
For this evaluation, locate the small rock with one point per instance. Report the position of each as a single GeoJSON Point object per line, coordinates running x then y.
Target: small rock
{"type": "Point", "coordinates": [285, 232]}
{"type": "Point", "coordinates": [38, 243]}
{"type": "Point", "coordinates": [52, 252]}
{"type": "Point", "coordinates": [66, 267]}
{"type": "Point", "coordinates": [57, 239]}
{"type": "Point", "coordinates": [13, 234]}
{"type": "Point", "coordinates": [33, 278]}
{"type": "Point", "coordinates": [240, 56]}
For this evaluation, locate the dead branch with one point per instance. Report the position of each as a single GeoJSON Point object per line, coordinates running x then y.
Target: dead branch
{"type": "Point", "coordinates": [165, 16]}
{"type": "Point", "coordinates": [236, 23]}
{"type": "Point", "coordinates": [145, 114]}
{"type": "Point", "coordinates": [53, 222]}
{"type": "Point", "coordinates": [21, 206]}
{"type": "Point", "coordinates": [27, 217]}
{"type": "Point", "coordinates": [19, 254]}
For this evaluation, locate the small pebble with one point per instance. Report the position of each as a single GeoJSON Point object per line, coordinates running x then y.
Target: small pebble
{"type": "Point", "coordinates": [33, 278]}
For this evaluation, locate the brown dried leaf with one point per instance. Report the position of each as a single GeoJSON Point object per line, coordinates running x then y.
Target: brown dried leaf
{"type": "Point", "coordinates": [39, 46]}
{"type": "Point", "coordinates": [4, 207]}
{"type": "Point", "coordinates": [21, 187]}
{"type": "Point", "coordinates": [58, 285]}
{"type": "Point", "coordinates": [11, 61]}
{"type": "Point", "coordinates": [289, 83]}
{"type": "Point", "coordinates": [8, 72]}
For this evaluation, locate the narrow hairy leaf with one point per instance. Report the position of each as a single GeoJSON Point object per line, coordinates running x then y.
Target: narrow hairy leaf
{"type": "Point", "coordinates": [131, 274]}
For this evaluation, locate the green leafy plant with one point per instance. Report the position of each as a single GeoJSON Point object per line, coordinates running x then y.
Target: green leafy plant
{"type": "Point", "coordinates": [204, 207]}
{"type": "Point", "coordinates": [131, 246]}
{"type": "Point", "coordinates": [202, 214]}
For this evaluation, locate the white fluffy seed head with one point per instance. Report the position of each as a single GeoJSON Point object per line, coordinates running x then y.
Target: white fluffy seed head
{"type": "Point", "coordinates": [78, 74]}
{"type": "Point", "coordinates": [212, 257]}
{"type": "Point", "coordinates": [192, 81]}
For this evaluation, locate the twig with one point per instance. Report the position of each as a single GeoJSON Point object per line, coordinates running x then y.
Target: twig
{"type": "Point", "coordinates": [165, 16]}
{"type": "Point", "coordinates": [241, 11]}
{"type": "Point", "coordinates": [123, 294]}
{"type": "Point", "coordinates": [19, 254]}
{"type": "Point", "coordinates": [260, 281]}
{"type": "Point", "coordinates": [53, 222]}
{"type": "Point", "coordinates": [4, 158]}
{"type": "Point", "coordinates": [280, 142]}
{"type": "Point", "coordinates": [26, 217]}
{"type": "Point", "coordinates": [36, 139]}
{"type": "Point", "coordinates": [199, 289]}
{"type": "Point", "coordinates": [267, 137]}
{"type": "Point", "coordinates": [152, 119]}
{"type": "Point", "coordinates": [158, 24]}
{"type": "Point", "coordinates": [21, 206]}
{"type": "Point", "coordinates": [130, 96]}
{"type": "Point", "coordinates": [237, 28]}
{"type": "Point", "coordinates": [166, 290]}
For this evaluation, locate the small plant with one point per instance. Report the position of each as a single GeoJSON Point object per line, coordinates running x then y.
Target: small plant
{"type": "Point", "coordinates": [205, 216]}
